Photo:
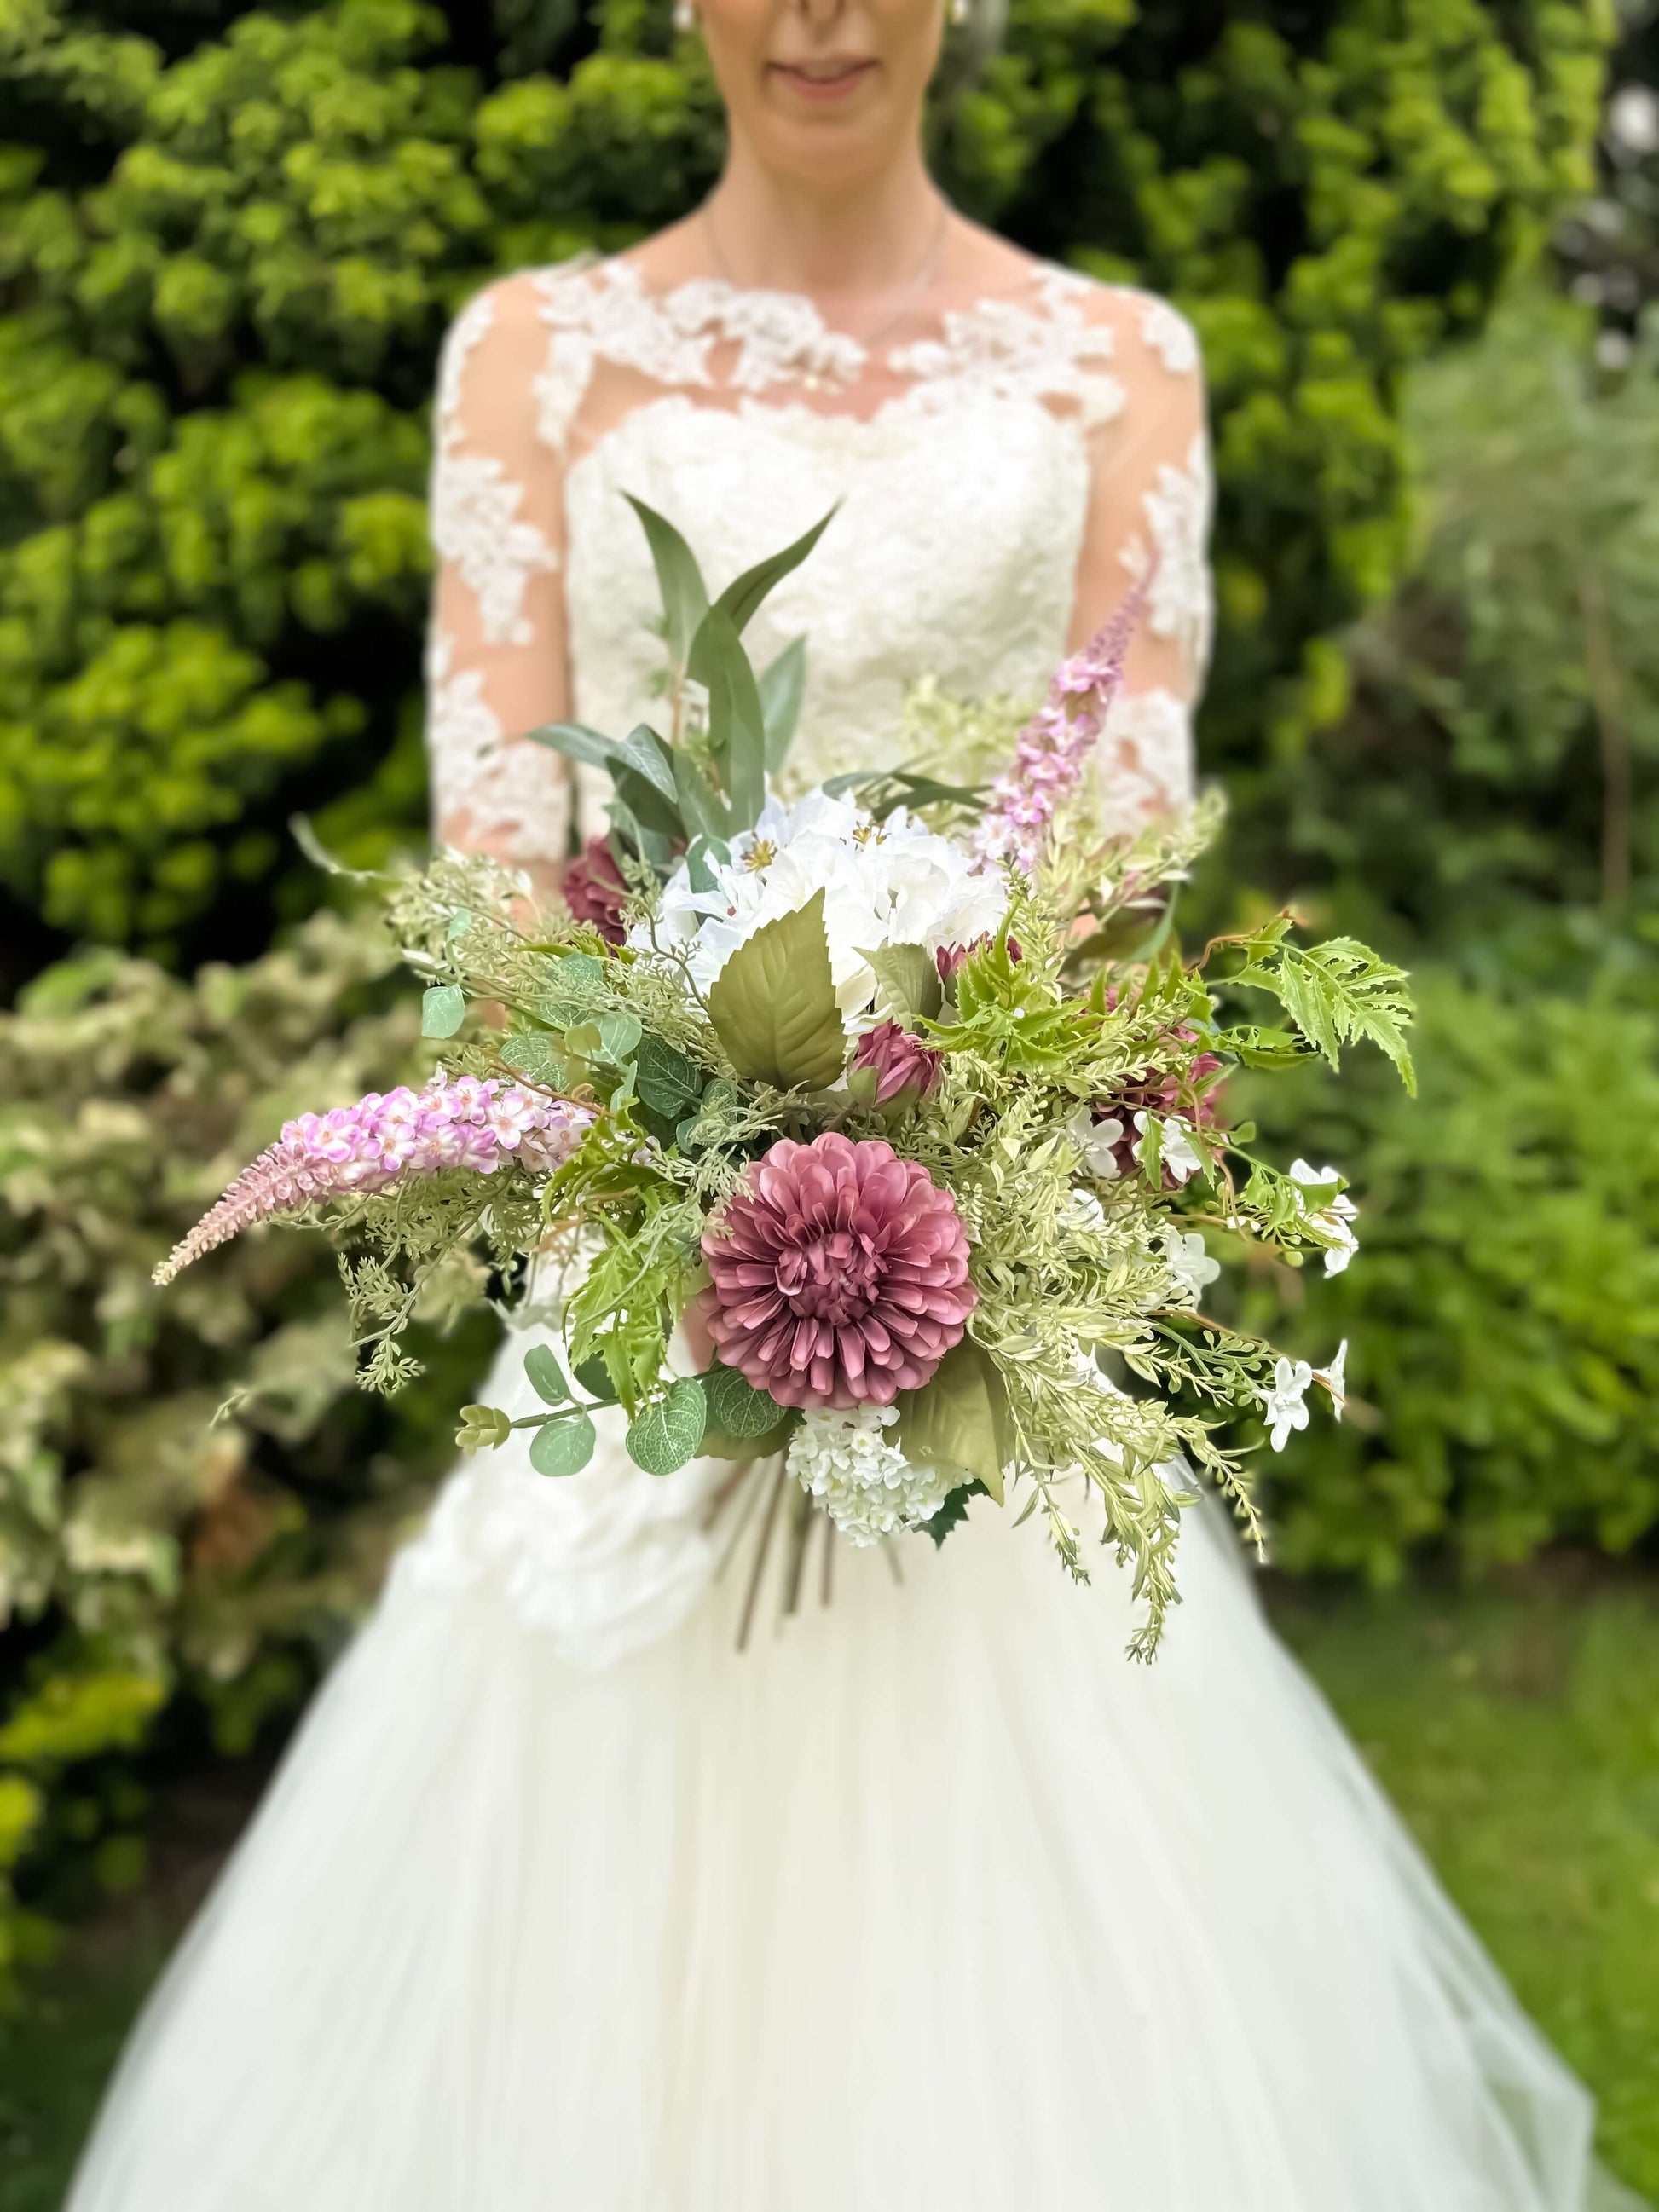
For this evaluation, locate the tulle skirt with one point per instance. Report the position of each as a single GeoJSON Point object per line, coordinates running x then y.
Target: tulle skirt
{"type": "Point", "coordinates": [927, 1902]}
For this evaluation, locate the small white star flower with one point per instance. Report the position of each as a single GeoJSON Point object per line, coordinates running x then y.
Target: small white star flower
{"type": "Point", "coordinates": [1334, 1219]}
{"type": "Point", "coordinates": [1189, 1265]}
{"type": "Point", "coordinates": [1175, 1150]}
{"type": "Point", "coordinates": [1284, 1406]}
{"type": "Point", "coordinates": [1335, 1380]}
{"type": "Point", "coordinates": [1081, 1209]}
{"type": "Point", "coordinates": [1097, 1141]}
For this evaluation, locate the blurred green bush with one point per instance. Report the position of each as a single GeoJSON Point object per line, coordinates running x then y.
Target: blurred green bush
{"type": "Point", "coordinates": [150, 1543]}
{"type": "Point", "coordinates": [227, 264]}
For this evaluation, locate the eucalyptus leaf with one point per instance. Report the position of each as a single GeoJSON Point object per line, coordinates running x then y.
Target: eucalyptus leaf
{"type": "Point", "coordinates": [782, 689]}
{"type": "Point", "coordinates": [563, 1444]}
{"type": "Point", "coordinates": [742, 597]}
{"type": "Point", "coordinates": [576, 742]}
{"type": "Point", "coordinates": [684, 594]}
{"type": "Point", "coordinates": [774, 1006]}
{"type": "Point", "coordinates": [443, 1009]}
{"type": "Point", "coordinates": [737, 722]}
{"type": "Point", "coordinates": [704, 813]}
{"type": "Point", "coordinates": [667, 1434]}
{"type": "Point", "coordinates": [545, 1375]}
{"type": "Point", "coordinates": [705, 853]}
{"type": "Point", "coordinates": [959, 1419]}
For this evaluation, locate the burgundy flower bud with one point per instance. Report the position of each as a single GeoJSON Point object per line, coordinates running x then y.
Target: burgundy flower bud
{"type": "Point", "coordinates": [890, 1068]}
{"type": "Point", "coordinates": [595, 891]}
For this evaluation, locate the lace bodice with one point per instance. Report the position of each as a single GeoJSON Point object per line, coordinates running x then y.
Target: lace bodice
{"type": "Point", "coordinates": [1006, 467]}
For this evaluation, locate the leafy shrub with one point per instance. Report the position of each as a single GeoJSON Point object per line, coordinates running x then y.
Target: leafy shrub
{"type": "Point", "coordinates": [1501, 1312]}
{"type": "Point", "coordinates": [1491, 791]}
{"type": "Point", "coordinates": [148, 1548]}
{"type": "Point", "coordinates": [228, 264]}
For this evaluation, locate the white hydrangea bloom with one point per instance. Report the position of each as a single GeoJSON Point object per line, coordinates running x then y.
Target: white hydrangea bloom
{"type": "Point", "coordinates": [867, 1485]}
{"type": "Point", "coordinates": [884, 883]}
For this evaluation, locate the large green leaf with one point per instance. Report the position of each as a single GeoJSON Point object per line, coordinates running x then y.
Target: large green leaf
{"type": "Point", "coordinates": [740, 598]}
{"type": "Point", "coordinates": [909, 976]}
{"type": "Point", "coordinates": [782, 689]}
{"type": "Point", "coordinates": [684, 594]}
{"type": "Point", "coordinates": [668, 1433]}
{"type": "Point", "coordinates": [737, 722]}
{"type": "Point", "coordinates": [958, 1421]}
{"type": "Point", "coordinates": [774, 1007]}
{"type": "Point", "coordinates": [577, 742]}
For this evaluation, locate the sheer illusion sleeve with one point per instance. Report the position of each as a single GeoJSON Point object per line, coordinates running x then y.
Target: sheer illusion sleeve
{"type": "Point", "coordinates": [496, 649]}
{"type": "Point", "coordinates": [1148, 509]}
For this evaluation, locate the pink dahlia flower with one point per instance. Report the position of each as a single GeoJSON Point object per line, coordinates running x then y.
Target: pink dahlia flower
{"type": "Point", "coordinates": [595, 890]}
{"type": "Point", "coordinates": [840, 1274]}
{"type": "Point", "coordinates": [455, 1121]}
{"type": "Point", "coordinates": [898, 1068]}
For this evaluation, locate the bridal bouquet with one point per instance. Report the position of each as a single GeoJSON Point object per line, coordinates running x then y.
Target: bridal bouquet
{"type": "Point", "coordinates": [876, 1137]}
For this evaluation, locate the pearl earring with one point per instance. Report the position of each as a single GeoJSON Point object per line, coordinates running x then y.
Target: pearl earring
{"type": "Point", "coordinates": [685, 16]}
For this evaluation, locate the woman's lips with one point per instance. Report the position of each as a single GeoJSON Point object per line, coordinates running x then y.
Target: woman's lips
{"type": "Point", "coordinates": [823, 80]}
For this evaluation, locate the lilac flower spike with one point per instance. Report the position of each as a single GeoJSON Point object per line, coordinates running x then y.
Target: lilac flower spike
{"type": "Point", "coordinates": [455, 1121]}
{"type": "Point", "coordinates": [1055, 744]}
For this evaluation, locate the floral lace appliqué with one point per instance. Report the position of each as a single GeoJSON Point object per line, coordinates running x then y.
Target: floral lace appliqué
{"type": "Point", "coordinates": [1177, 510]}
{"type": "Point", "coordinates": [515, 795]}
{"type": "Point", "coordinates": [475, 518]}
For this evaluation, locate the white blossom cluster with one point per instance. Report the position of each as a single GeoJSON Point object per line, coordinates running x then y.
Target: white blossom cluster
{"type": "Point", "coordinates": [885, 883]}
{"type": "Point", "coordinates": [868, 1487]}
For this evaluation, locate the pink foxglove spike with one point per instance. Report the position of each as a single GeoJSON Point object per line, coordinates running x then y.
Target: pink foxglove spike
{"type": "Point", "coordinates": [1054, 747]}
{"type": "Point", "coordinates": [455, 1121]}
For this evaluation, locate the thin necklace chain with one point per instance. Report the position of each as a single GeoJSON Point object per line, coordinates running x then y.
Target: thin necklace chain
{"type": "Point", "coordinates": [925, 274]}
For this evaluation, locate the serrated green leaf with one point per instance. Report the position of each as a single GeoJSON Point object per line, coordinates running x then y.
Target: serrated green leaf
{"type": "Point", "coordinates": [594, 1377]}
{"type": "Point", "coordinates": [954, 1511]}
{"type": "Point", "coordinates": [747, 592]}
{"type": "Point", "coordinates": [959, 1419]}
{"type": "Point", "coordinates": [667, 1434]}
{"type": "Point", "coordinates": [537, 1057]}
{"type": "Point", "coordinates": [737, 1407]}
{"type": "Point", "coordinates": [774, 1007]}
{"type": "Point", "coordinates": [545, 1375]}
{"type": "Point", "coordinates": [1335, 992]}
{"type": "Point", "coordinates": [684, 594]}
{"type": "Point", "coordinates": [563, 1445]}
{"type": "Point", "coordinates": [443, 1009]}
{"type": "Point", "coordinates": [910, 987]}
{"type": "Point", "coordinates": [782, 690]}
{"type": "Point", "coordinates": [668, 1081]}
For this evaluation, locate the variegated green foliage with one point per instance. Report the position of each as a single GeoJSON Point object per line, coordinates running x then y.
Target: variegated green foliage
{"type": "Point", "coordinates": [147, 1548]}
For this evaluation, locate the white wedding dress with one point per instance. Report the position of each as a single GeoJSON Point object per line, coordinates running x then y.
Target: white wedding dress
{"type": "Point", "coordinates": [929, 1901]}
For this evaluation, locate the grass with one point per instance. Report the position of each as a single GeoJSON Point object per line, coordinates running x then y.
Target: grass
{"type": "Point", "coordinates": [1517, 1730]}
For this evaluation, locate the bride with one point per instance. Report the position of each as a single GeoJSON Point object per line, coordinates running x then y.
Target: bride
{"type": "Point", "coordinates": [929, 1901]}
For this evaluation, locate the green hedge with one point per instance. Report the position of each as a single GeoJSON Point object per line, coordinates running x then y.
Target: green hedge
{"type": "Point", "coordinates": [151, 1545]}
{"type": "Point", "coordinates": [228, 267]}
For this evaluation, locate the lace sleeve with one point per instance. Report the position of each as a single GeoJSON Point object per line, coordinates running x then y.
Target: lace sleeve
{"type": "Point", "coordinates": [496, 650]}
{"type": "Point", "coordinates": [1150, 496]}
